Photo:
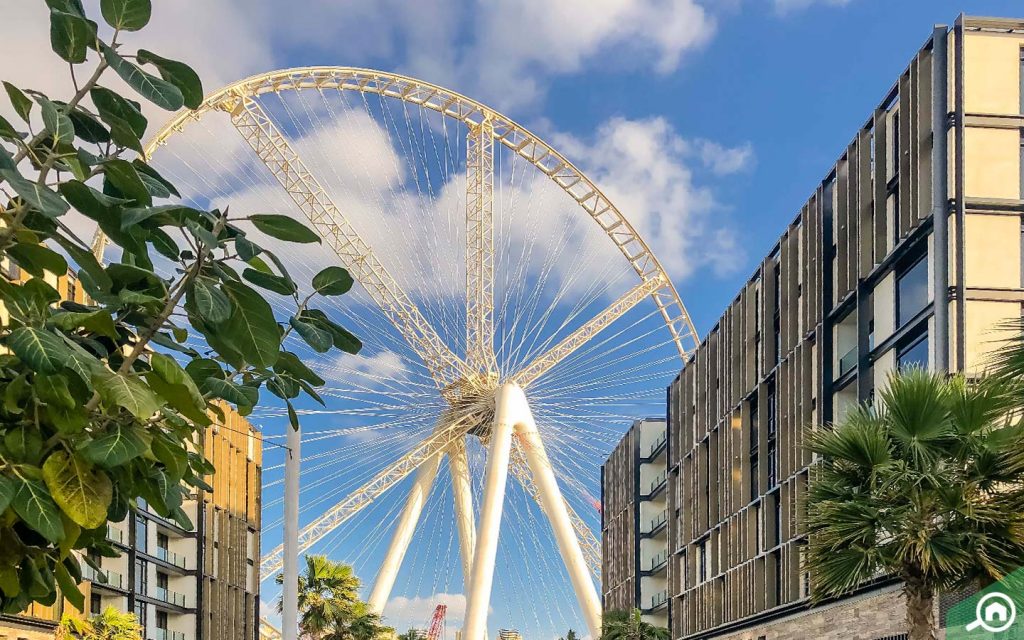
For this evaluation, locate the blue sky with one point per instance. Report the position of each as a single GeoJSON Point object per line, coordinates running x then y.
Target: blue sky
{"type": "Point", "coordinates": [708, 123]}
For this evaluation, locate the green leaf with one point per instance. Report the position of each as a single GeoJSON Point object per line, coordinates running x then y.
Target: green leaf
{"type": "Point", "coordinates": [40, 350]}
{"type": "Point", "coordinates": [293, 418]}
{"type": "Point", "coordinates": [38, 259]}
{"type": "Point", "coordinates": [270, 282]}
{"type": "Point", "coordinates": [82, 492]}
{"type": "Point", "coordinates": [114, 109]}
{"type": "Point", "coordinates": [88, 128]}
{"type": "Point", "coordinates": [164, 244]}
{"type": "Point", "coordinates": [251, 328]}
{"type": "Point", "coordinates": [54, 391]}
{"type": "Point", "coordinates": [147, 170]}
{"type": "Point", "coordinates": [320, 340]}
{"type": "Point", "coordinates": [199, 369]}
{"type": "Point", "coordinates": [246, 249]}
{"type": "Point", "coordinates": [24, 443]}
{"type": "Point", "coordinates": [126, 15]}
{"type": "Point", "coordinates": [208, 301]}
{"type": "Point", "coordinates": [126, 391]}
{"type": "Point", "coordinates": [22, 104]}
{"type": "Point", "coordinates": [234, 393]}
{"type": "Point", "coordinates": [168, 368]}
{"type": "Point", "coordinates": [69, 586]}
{"type": "Point", "coordinates": [123, 175]}
{"type": "Point", "coordinates": [56, 121]}
{"type": "Point", "coordinates": [99, 321]}
{"type": "Point", "coordinates": [343, 339]}
{"type": "Point", "coordinates": [40, 197]}
{"type": "Point", "coordinates": [177, 73]}
{"type": "Point", "coordinates": [8, 487]}
{"type": "Point", "coordinates": [117, 447]}
{"type": "Point", "coordinates": [154, 186]}
{"type": "Point", "coordinates": [7, 130]}
{"type": "Point", "coordinates": [171, 454]}
{"type": "Point", "coordinates": [332, 281]}
{"type": "Point", "coordinates": [157, 90]}
{"type": "Point", "coordinates": [290, 363]}
{"type": "Point", "coordinates": [37, 509]}
{"type": "Point", "coordinates": [71, 35]}
{"type": "Point", "coordinates": [132, 216]}
{"type": "Point", "coordinates": [283, 228]}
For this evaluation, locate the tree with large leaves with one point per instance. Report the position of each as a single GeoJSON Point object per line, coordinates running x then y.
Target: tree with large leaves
{"type": "Point", "coordinates": [106, 401]}
{"type": "Point", "coordinates": [329, 604]}
{"type": "Point", "coordinates": [630, 625]}
{"type": "Point", "coordinates": [926, 486]}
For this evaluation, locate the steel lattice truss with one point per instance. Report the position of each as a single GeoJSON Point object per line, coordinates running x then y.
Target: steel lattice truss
{"type": "Point", "coordinates": [472, 386]}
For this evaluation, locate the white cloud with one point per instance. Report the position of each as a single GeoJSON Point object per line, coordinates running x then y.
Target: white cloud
{"type": "Point", "coordinates": [643, 166]}
{"type": "Point", "coordinates": [404, 613]}
{"type": "Point", "coordinates": [723, 160]}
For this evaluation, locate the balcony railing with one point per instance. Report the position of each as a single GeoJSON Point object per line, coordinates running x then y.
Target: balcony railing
{"type": "Point", "coordinates": [104, 577]}
{"type": "Point", "coordinates": [657, 482]}
{"type": "Point", "coordinates": [657, 561]}
{"type": "Point", "coordinates": [660, 440]}
{"type": "Point", "coordinates": [657, 521]}
{"type": "Point", "coordinates": [658, 599]}
{"type": "Point", "coordinates": [848, 362]}
{"type": "Point", "coordinates": [166, 634]}
{"type": "Point", "coordinates": [168, 596]}
{"type": "Point", "coordinates": [170, 557]}
{"type": "Point", "coordinates": [114, 534]}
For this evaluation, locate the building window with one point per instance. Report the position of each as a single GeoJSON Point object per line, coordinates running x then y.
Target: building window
{"type": "Point", "coordinates": [11, 271]}
{"type": "Point", "coordinates": [911, 292]}
{"type": "Point", "coordinates": [1021, 192]}
{"type": "Point", "coordinates": [896, 144]}
{"type": "Point", "coordinates": [1022, 81]}
{"type": "Point", "coordinates": [72, 285]}
{"type": "Point", "coordinates": [702, 561]}
{"type": "Point", "coordinates": [770, 440]}
{"type": "Point", "coordinates": [95, 604]}
{"type": "Point", "coordinates": [754, 469]}
{"type": "Point", "coordinates": [141, 533]}
{"type": "Point", "coordinates": [140, 613]}
{"type": "Point", "coordinates": [777, 320]}
{"type": "Point", "coordinates": [914, 354]}
{"type": "Point", "coordinates": [141, 576]}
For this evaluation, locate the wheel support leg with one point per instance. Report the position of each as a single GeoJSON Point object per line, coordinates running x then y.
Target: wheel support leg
{"type": "Point", "coordinates": [510, 404]}
{"type": "Point", "coordinates": [462, 491]}
{"type": "Point", "coordinates": [554, 507]}
{"type": "Point", "coordinates": [403, 533]}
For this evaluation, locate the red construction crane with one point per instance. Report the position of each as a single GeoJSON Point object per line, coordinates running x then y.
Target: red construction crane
{"type": "Point", "coordinates": [436, 630]}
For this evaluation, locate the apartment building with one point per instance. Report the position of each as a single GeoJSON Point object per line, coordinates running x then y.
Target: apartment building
{"type": "Point", "coordinates": [634, 523]}
{"type": "Point", "coordinates": [182, 585]}
{"type": "Point", "coordinates": [907, 253]}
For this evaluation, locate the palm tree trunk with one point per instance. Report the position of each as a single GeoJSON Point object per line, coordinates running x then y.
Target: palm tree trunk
{"type": "Point", "coordinates": [920, 611]}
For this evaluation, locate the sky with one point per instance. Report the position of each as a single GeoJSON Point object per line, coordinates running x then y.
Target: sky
{"type": "Point", "coordinates": [709, 123]}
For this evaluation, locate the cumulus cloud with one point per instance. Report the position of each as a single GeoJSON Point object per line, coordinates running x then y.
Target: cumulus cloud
{"type": "Point", "coordinates": [405, 613]}
{"type": "Point", "coordinates": [722, 160]}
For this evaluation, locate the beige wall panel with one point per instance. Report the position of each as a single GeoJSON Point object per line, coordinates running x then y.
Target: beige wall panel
{"type": "Point", "coordinates": [992, 253]}
{"type": "Point", "coordinates": [982, 336]}
{"type": "Point", "coordinates": [992, 73]}
{"type": "Point", "coordinates": [992, 163]}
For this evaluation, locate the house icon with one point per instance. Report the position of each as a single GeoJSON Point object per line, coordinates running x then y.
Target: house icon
{"type": "Point", "coordinates": [996, 612]}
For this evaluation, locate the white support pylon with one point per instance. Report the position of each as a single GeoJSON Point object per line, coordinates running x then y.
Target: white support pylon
{"type": "Point", "coordinates": [404, 529]}
{"type": "Point", "coordinates": [555, 509]}
{"type": "Point", "coordinates": [290, 588]}
{"type": "Point", "coordinates": [462, 492]}
{"type": "Point", "coordinates": [509, 406]}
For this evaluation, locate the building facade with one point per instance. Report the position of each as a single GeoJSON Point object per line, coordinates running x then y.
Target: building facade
{"type": "Point", "coordinates": [634, 523]}
{"type": "Point", "coordinates": [907, 253]}
{"type": "Point", "coordinates": [182, 585]}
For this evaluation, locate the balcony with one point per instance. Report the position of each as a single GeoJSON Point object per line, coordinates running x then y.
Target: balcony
{"type": "Point", "coordinates": [657, 563]}
{"type": "Point", "coordinates": [168, 596]}
{"type": "Point", "coordinates": [657, 601]}
{"type": "Point", "coordinates": [105, 577]}
{"type": "Point", "coordinates": [656, 447]}
{"type": "Point", "coordinates": [656, 485]}
{"type": "Point", "coordinates": [848, 362]}
{"type": "Point", "coordinates": [656, 524]}
{"type": "Point", "coordinates": [170, 557]}
{"type": "Point", "coordinates": [165, 634]}
{"type": "Point", "coordinates": [114, 534]}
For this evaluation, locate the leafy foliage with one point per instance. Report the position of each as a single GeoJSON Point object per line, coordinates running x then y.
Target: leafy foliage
{"type": "Point", "coordinates": [629, 625]}
{"type": "Point", "coordinates": [329, 604]}
{"type": "Point", "coordinates": [111, 624]}
{"type": "Point", "coordinates": [928, 486]}
{"type": "Point", "coordinates": [105, 400]}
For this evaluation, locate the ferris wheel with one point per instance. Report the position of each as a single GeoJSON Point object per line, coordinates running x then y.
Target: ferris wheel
{"type": "Point", "coordinates": [514, 324]}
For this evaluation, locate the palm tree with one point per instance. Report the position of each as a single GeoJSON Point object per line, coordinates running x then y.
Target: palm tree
{"type": "Point", "coordinates": [328, 596]}
{"type": "Point", "coordinates": [411, 634]}
{"type": "Point", "coordinates": [570, 635]}
{"type": "Point", "coordinates": [111, 624]}
{"type": "Point", "coordinates": [628, 625]}
{"type": "Point", "coordinates": [927, 487]}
